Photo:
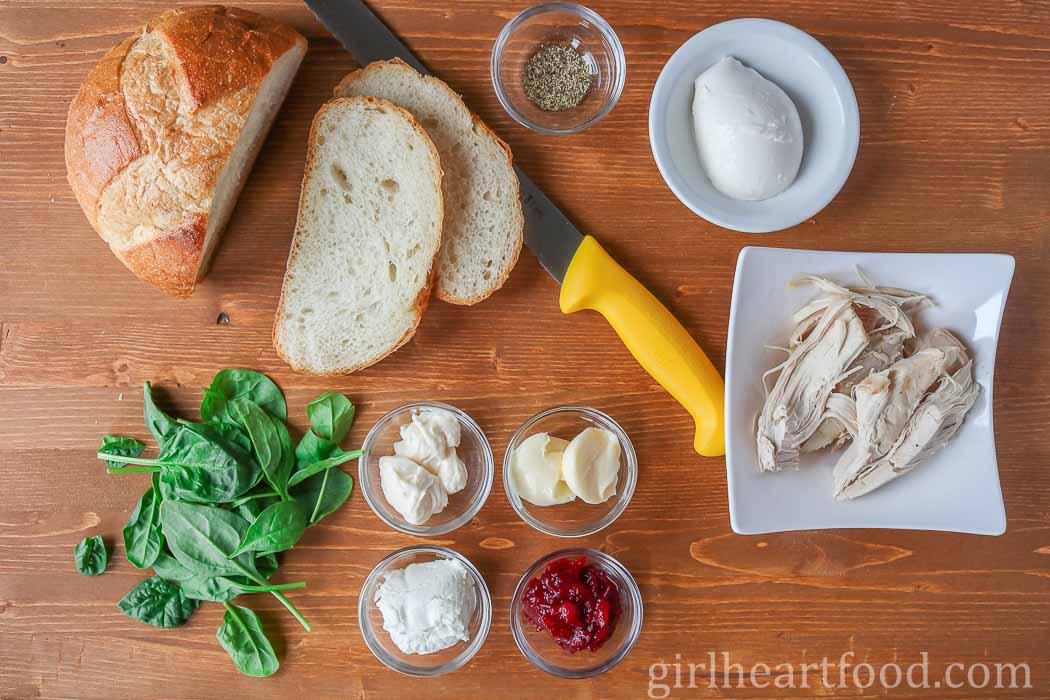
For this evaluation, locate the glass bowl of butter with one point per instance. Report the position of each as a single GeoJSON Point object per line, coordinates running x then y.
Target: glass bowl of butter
{"type": "Point", "coordinates": [427, 468]}
{"type": "Point", "coordinates": [570, 471]}
{"type": "Point", "coordinates": [424, 610]}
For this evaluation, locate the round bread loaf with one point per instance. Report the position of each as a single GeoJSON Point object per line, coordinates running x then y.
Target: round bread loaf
{"type": "Point", "coordinates": [165, 129]}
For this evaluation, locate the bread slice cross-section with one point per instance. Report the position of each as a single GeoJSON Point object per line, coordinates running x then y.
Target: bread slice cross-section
{"type": "Point", "coordinates": [362, 260]}
{"type": "Point", "coordinates": [483, 217]}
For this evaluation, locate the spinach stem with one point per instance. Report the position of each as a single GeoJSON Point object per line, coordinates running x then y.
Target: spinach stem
{"type": "Point", "coordinates": [273, 587]}
{"type": "Point", "coordinates": [320, 497]}
{"type": "Point", "coordinates": [254, 576]}
{"type": "Point", "coordinates": [146, 462]}
{"type": "Point", "coordinates": [133, 470]}
{"type": "Point", "coordinates": [253, 497]}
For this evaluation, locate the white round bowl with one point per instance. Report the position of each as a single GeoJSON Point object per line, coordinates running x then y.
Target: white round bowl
{"type": "Point", "coordinates": [816, 83]}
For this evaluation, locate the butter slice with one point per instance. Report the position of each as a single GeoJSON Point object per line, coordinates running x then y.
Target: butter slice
{"type": "Point", "coordinates": [535, 468]}
{"type": "Point", "coordinates": [591, 465]}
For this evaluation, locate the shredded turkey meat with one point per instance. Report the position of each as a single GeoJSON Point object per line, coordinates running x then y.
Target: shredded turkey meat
{"type": "Point", "coordinates": [858, 374]}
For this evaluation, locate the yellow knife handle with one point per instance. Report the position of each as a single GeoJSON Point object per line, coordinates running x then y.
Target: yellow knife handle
{"type": "Point", "coordinates": [656, 339]}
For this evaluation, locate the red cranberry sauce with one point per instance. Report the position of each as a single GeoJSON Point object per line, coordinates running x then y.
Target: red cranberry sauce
{"type": "Point", "coordinates": [576, 602]}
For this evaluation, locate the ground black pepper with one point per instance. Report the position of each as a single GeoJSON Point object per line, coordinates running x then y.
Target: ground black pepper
{"type": "Point", "coordinates": [557, 78]}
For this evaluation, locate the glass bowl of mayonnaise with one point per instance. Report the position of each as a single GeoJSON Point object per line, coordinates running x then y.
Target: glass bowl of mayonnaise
{"type": "Point", "coordinates": [427, 468]}
{"type": "Point", "coordinates": [424, 610]}
{"type": "Point", "coordinates": [570, 471]}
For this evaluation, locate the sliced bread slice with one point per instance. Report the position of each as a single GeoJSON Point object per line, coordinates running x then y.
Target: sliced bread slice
{"type": "Point", "coordinates": [363, 255]}
{"type": "Point", "coordinates": [483, 219]}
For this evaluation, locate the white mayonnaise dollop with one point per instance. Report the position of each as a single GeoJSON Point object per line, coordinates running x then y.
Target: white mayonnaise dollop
{"type": "Point", "coordinates": [431, 440]}
{"type": "Point", "coordinates": [748, 131]}
{"type": "Point", "coordinates": [535, 467]}
{"type": "Point", "coordinates": [591, 465]}
{"type": "Point", "coordinates": [427, 606]}
{"type": "Point", "coordinates": [410, 489]}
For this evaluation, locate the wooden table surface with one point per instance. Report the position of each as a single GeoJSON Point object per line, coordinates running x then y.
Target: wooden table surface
{"type": "Point", "coordinates": [954, 156]}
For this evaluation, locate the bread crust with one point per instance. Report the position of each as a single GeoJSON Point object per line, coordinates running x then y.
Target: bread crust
{"type": "Point", "coordinates": [397, 63]}
{"type": "Point", "coordinates": [211, 53]}
{"type": "Point", "coordinates": [422, 298]}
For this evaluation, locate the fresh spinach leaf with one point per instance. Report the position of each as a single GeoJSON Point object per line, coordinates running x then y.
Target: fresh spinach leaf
{"type": "Point", "coordinates": [266, 564]}
{"type": "Point", "coordinates": [276, 529]}
{"type": "Point", "coordinates": [241, 635]}
{"type": "Point", "coordinates": [90, 556]}
{"type": "Point", "coordinates": [272, 449]}
{"type": "Point", "coordinates": [168, 568]}
{"type": "Point", "coordinates": [196, 466]}
{"type": "Point", "coordinates": [142, 535]}
{"type": "Point", "coordinates": [120, 447]}
{"type": "Point", "coordinates": [203, 539]}
{"type": "Point", "coordinates": [322, 494]}
{"type": "Point", "coordinates": [312, 449]}
{"type": "Point", "coordinates": [331, 416]}
{"type": "Point", "coordinates": [156, 602]}
{"type": "Point", "coordinates": [232, 384]}
{"type": "Point", "coordinates": [337, 458]}
{"type": "Point", "coordinates": [159, 423]}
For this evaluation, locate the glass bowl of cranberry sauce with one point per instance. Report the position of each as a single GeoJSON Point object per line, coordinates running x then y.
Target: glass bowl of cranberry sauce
{"type": "Point", "coordinates": [576, 613]}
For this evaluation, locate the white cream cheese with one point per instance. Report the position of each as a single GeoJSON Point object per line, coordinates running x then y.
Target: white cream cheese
{"type": "Point", "coordinates": [748, 131]}
{"type": "Point", "coordinates": [430, 440]}
{"type": "Point", "coordinates": [535, 467]}
{"type": "Point", "coordinates": [410, 489]}
{"type": "Point", "coordinates": [427, 607]}
{"type": "Point", "coordinates": [591, 465]}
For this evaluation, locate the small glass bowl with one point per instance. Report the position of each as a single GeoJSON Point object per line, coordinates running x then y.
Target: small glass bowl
{"type": "Point", "coordinates": [463, 505]}
{"type": "Point", "coordinates": [540, 648]}
{"type": "Point", "coordinates": [378, 640]}
{"type": "Point", "coordinates": [558, 23]}
{"type": "Point", "coordinates": [576, 518]}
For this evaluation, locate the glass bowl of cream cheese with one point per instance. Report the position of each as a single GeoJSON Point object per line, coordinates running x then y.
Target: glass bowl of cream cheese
{"type": "Point", "coordinates": [570, 471]}
{"type": "Point", "coordinates": [424, 610]}
{"type": "Point", "coordinates": [427, 468]}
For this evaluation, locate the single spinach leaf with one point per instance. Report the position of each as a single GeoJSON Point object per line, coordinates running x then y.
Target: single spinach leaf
{"type": "Point", "coordinates": [156, 602]}
{"type": "Point", "coordinates": [199, 467]}
{"type": "Point", "coordinates": [159, 423]}
{"type": "Point", "coordinates": [276, 529]}
{"type": "Point", "coordinates": [266, 564]}
{"type": "Point", "coordinates": [230, 435]}
{"type": "Point", "coordinates": [90, 556]}
{"type": "Point", "coordinates": [312, 449]}
{"type": "Point", "coordinates": [337, 458]}
{"type": "Point", "coordinates": [143, 539]}
{"type": "Point", "coordinates": [202, 538]}
{"type": "Point", "coordinates": [232, 384]}
{"type": "Point", "coordinates": [241, 635]}
{"type": "Point", "coordinates": [323, 494]}
{"type": "Point", "coordinates": [331, 416]}
{"type": "Point", "coordinates": [168, 568]}
{"type": "Point", "coordinates": [268, 443]}
{"type": "Point", "coordinates": [120, 447]}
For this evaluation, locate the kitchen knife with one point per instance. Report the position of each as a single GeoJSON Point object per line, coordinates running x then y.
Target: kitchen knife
{"type": "Point", "coordinates": [589, 277]}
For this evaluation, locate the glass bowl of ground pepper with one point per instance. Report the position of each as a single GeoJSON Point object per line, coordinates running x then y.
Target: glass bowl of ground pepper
{"type": "Point", "coordinates": [558, 68]}
{"type": "Point", "coordinates": [576, 613]}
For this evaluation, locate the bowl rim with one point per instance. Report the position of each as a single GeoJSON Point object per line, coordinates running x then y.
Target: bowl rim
{"type": "Point", "coordinates": [372, 492]}
{"type": "Point", "coordinates": [618, 56]}
{"type": "Point", "coordinates": [623, 576]}
{"type": "Point", "coordinates": [624, 495]}
{"type": "Point", "coordinates": [475, 644]}
{"type": "Point", "coordinates": [843, 88]}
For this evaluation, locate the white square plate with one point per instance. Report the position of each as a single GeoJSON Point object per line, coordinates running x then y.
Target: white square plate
{"type": "Point", "coordinates": [958, 489]}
